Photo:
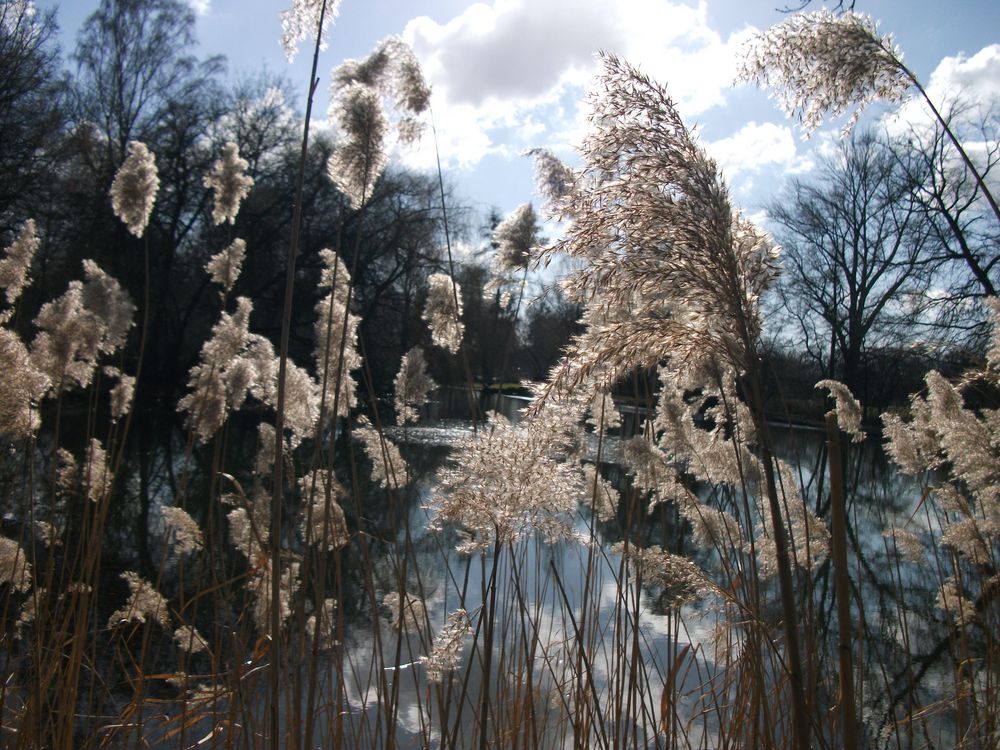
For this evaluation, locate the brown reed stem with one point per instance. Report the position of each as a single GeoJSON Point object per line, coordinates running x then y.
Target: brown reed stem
{"type": "Point", "coordinates": [279, 426]}
{"type": "Point", "coordinates": [842, 582]}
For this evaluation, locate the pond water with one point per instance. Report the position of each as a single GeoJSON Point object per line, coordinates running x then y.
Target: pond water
{"type": "Point", "coordinates": [545, 592]}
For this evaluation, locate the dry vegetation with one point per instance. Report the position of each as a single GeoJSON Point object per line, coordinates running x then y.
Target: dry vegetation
{"type": "Point", "coordinates": [498, 615]}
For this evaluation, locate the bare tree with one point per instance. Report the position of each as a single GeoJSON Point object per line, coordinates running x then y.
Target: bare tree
{"type": "Point", "coordinates": [856, 271]}
{"type": "Point", "coordinates": [31, 107]}
{"type": "Point", "coordinates": [966, 237]}
{"type": "Point", "coordinates": [134, 66]}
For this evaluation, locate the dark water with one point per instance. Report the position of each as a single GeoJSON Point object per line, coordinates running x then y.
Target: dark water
{"type": "Point", "coordinates": [163, 466]}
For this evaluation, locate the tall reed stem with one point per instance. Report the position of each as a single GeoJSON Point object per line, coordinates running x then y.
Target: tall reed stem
{"type": "Point", "coordinates": [842, 582]}
{"type": "Point", "coordinates": [279, 422]}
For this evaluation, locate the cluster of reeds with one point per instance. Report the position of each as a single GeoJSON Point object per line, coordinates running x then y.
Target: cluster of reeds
{"type": "Point", "coordinates": [684, 604]}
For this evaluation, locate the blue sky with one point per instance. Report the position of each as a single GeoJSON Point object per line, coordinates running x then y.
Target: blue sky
{"type": "Point", "coordinates": [512, 74]}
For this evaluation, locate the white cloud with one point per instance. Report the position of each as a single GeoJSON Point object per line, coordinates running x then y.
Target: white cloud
{"type": "Point", "coordinates": [200, 7]}
{"type": "Point", "coordinates": [976, 78]}
{"type": "Point", "coordinates": [972, 84]}
{"type": "Point", "coordinates": [754, 146]}
{"type": "Point", "coordinates": [512, 74]}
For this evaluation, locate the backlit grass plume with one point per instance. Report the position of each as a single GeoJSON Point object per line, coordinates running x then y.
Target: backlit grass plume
{"type": "Point", "coordinates": [360, 90]}
{"type": "Point", "coordinates": [443, 311]}
{"type": "Point", "coordinates": [818, 63]}
{"type": "Point", "coordinates": [133, 191]}
{"type": "Point", "coordinates": [515, 236]}
{"type": "Point", "coordinates": [230, 184]}
{"type": "Point", "coordinates": [412, 385]}
{"type": "Point", "coordinates": [16, 263]}
{"type": "Point", "coordinates": [305, 20]}
{"type": "Point", "coordinates": [671, 268]}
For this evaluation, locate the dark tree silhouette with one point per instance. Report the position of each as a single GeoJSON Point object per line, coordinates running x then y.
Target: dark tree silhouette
{"type": "Point", "coordinates": [31, 110]}
{"type": "Point", "coordinates": [856, 242]}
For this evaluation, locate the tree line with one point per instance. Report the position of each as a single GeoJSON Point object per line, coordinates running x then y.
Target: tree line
{"type": "Point", "coordinates": [888, 253]}
{"type": "Point", "coordinates": [134, 76]}
{"type": "Point", "coordinates": [887, 244]}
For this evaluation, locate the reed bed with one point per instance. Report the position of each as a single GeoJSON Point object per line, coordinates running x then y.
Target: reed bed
{"type": "Point", "coordinates": [563, 579]}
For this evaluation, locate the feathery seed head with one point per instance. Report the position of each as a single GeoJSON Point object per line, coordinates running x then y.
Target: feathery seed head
{"type": "Point", "coordinates": [21, 387]}
{"type": "Point", "coordinates": [515, 237]}
{"type": "Point", "coordinates": [15, 264]}
{"type": "Point", "coordinates": [230, 182]}
{"type": "Point", "coordinates": [847, 408]}
{"type": "Point", "coordinates": [443, 311]}
{"type": "Point", "coordinates": [108, 301]}
{"type": "Point", "coordinates": [186, 532]}
{"type": "Point", "coordinates": [671, 270]}
{"type": "Point", "coordinates": [358, 159]}
{"type": "Point", "coordinates": [906, 543]}
{"type": "Point", "coordinates": [553, 179]}
{"type": "Point", "coordinates": [412, 385]}
{"type": "Point", "coordinates": [447, 652]}
{"type": "Point", "coordinates": [393, 70]}
{"type": "Point", "coordinates": [681, 580]}
{"type": "Point", "coordinates": [144, 601]}
{"type": "Point", "coordinates": [133, 191]}
{"type": "Point", "coordinates": [190, 640]}
{"type": "Point", "coordinates": [121, 397]}
{"type": "Point", "coordinates": [822, 62]}
{"type": "Point", "coordinates": [302, 21]}
{"type": "Point", "coordinates": [406, 612]}
{"type": "Point", "coordinates": [224, 267]}
{"type": "Point", "coordinates": [14, 566]}
{"type": "Point", "coordinates": [505, 483]}
{"type": "Point", "coordinates": [323, 517]}
{"type": "Point", "coordinates": [388, 467]}
{"type": "Point", "coordinates": [97, 477]}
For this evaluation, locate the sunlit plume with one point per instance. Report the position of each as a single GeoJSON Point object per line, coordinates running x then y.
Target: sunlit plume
{"type": "Point", "coordinates": [412, 386]}
{"type": "Point", "coordinates": [323, 520]}
{"type": "Point", "coordinates": [15, 569]}
{"type": "Point", "coordinates": [600, 494]}
{"type": "Point", "coordinates": [302, 21]}
{"type": "Point", "coordinates": [359, 90]}
{"type": "Point", "coordinates": [507, 482]}
{"type": "Point", "coordinates": [515, 236]}
{"type": "Point", "coordinates": [224, 267]}
{"type": "Point", "coordinates": [189, 640]}
{"type": "Point", "coordinates": [16, 263]}
{"type": "Point", "coordinates": [907, 544]}
{"type": "Point", "coordinates": [91, 318]}
{"type": "Point", "coordinates": [259, 587]}
{"type": "Point", "coordinates": [359, 157]}
{"type": "Point", "coordinates": [97, 476]}
{"type": "Point", "coordinates": [388, 467]}
{"type": "Point", "coordinates": [133, 191]}
{"type": "Point", "coordinates": [820, 62]}
{"type": "Point", "coordinates": [847, 409]}
{"type": "Point", "coordinates": [393, 70]}
{"type": "Point", "coordinates": [671, 270]}
{"type": "Point", "coordinates": [230, 183]}
{"type": "Point", "coordinates": [21, 387]}
{"type": "Point", "coordinates": [406, 612]}
{"type": "Point", "coordinates": [182, 530]}
{"type": "Point", "coordinates": [680, 579]}
{"type": "Point", "coordinates": [554, 181]}
{"type": "Point", "coordinates": [144, 603]}
{"type": "Point", "coordinates": [336, 333]}
{"type": "Point", "coordinates": [122, 395]}
{"type": "Point", "coordinates": [448, 644]}
{"type": "Point", "coordinates": [443, 311]}
{"type": "Point", "coordinates": [321, 624]}
{"type": "Point", "coordinates": [221, 379]}
{"type": "Point", "coordinates": [956, 605]}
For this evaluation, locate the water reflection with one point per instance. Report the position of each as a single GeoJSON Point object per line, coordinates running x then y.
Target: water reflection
{"type": "Point", "coordinates": [901, 638]}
